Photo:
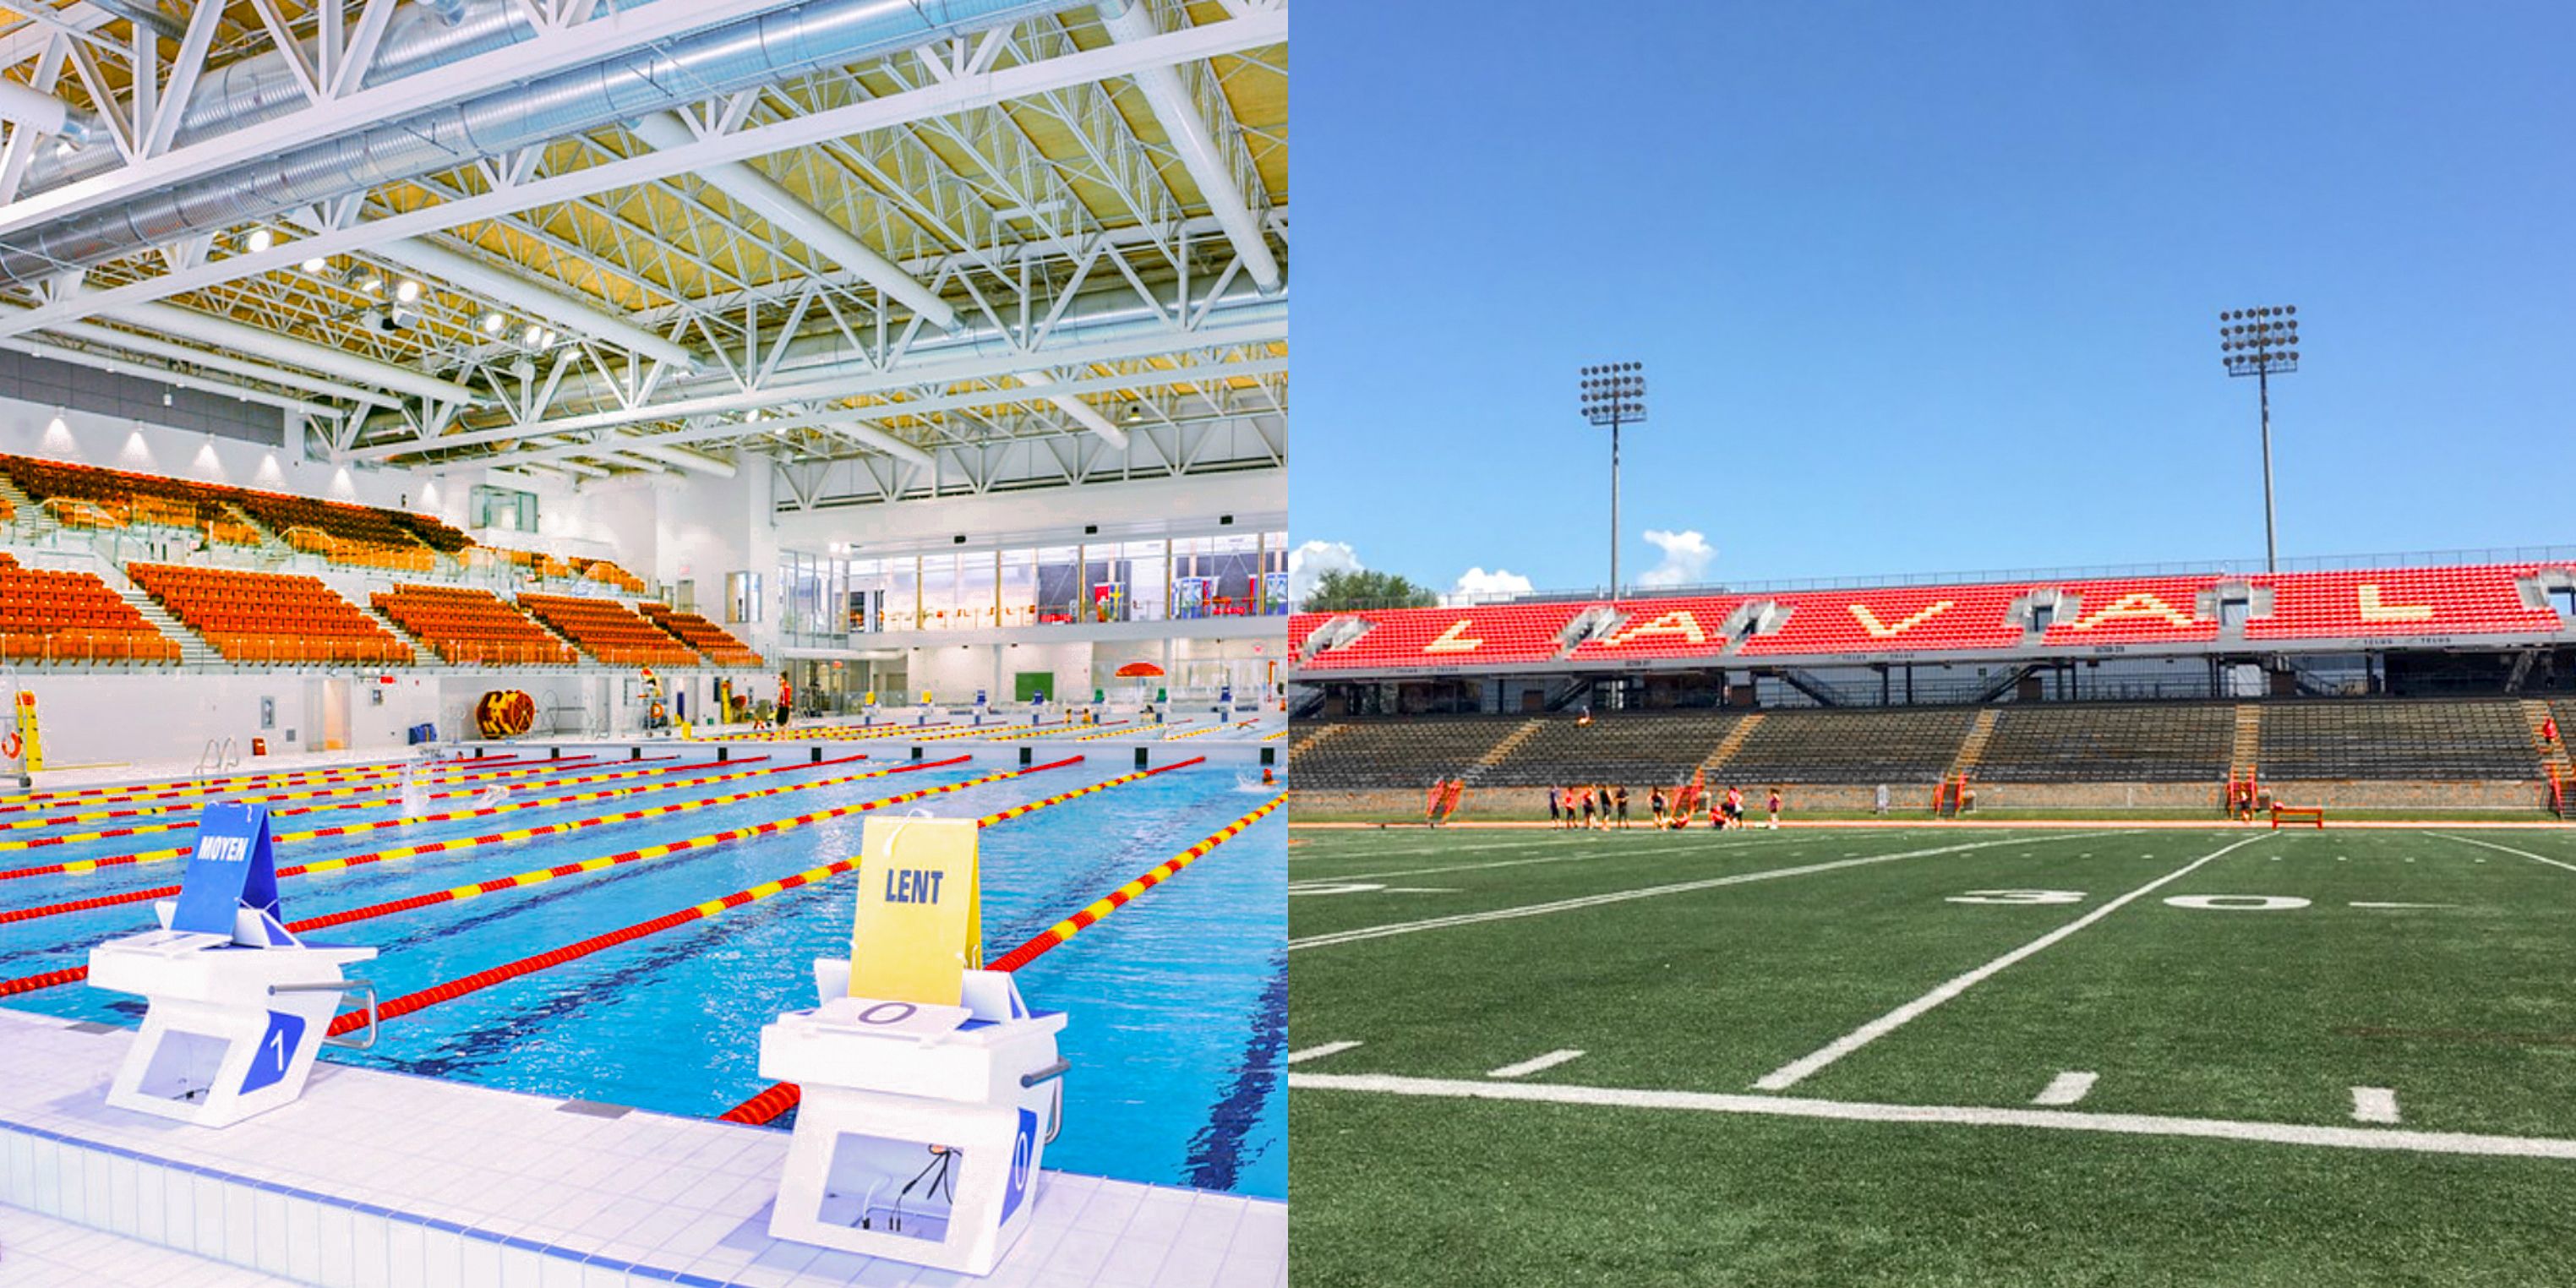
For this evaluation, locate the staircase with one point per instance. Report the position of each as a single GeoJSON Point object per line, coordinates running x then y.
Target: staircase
{"type": "Point", "coordinates": [421, 653]}
{"type": "Point", "coordinates": [193, 648]}
{"type": "Point", "coordinates": [1973, 748]}
{"type": "Point", "coordinates": [2555, 765]}
{"type": "Point", "coordinates": [1733, 742]}
{"type": "Point", "coordinates": [32, 520]}
{"type": "Point", "coordinates": [1303, 745]}
{"type": "Point", "coordinates": [271, 547]}
{"type": "Point", "coordinates": [2246, 752]}
{"type": "Point", "coordinates": [1494, 755]}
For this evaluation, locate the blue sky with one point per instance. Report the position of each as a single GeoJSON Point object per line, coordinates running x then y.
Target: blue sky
{"type": "Point", "coordinates": [1928, 287]}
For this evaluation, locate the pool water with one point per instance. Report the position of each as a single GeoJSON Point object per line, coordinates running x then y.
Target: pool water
{"type": "Point", "coordinates": [1177, 1001]}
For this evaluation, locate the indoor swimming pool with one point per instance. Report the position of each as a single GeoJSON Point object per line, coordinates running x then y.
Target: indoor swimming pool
{"type": "Point", "coordinates": [1177, 1002]}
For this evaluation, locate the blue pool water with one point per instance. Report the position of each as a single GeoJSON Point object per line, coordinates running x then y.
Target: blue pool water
{"type": "Point", "coordinates": [1177, 1001]}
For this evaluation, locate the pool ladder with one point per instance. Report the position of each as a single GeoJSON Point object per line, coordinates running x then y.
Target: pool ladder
{"type": "Point", "coordinates": [217, 757]}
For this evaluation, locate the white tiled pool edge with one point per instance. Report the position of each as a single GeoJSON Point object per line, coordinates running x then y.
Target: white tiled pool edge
{"type": "Point", "coordinates": [375, 1180]}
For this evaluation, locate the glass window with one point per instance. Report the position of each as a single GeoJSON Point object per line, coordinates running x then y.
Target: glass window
{"type": "Point", "coordinates": [742, 597]}
{"type": "Point", "coordinates": [1019, 587]}
{"type": "Point", "coordinates": [903, 594]}
{"type": "Point", "coordinates": [1144, 563]}
{"type": "Point", "coordinates": [975, 589]}
{"type": "Point", "coordinates": [503, 508]}
{"type": "Point", "coordinates": [938, 591]}
{"type": "Point", "coordinates": [1060, 592]}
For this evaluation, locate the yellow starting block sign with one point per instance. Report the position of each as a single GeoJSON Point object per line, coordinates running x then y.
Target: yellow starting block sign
{"type": "Point", "coordinates": [920, 922]}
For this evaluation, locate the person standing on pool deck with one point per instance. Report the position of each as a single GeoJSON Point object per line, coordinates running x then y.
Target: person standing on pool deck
{"type": "Point", "coordinates": [786, 699]}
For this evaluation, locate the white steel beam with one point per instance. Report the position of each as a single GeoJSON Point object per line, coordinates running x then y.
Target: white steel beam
{"type": "Point", "coordinates": [80, 358]}
{"type": "Point", "coordinates": [224, 332]}
{"type": "Point", "coordinates": [212, 361]}
{"type": "Point", "coordinates": [772, 201]}
{"type": "Point", "coordinates": [526, 297]}
{"type": "Point", "coordinates": [1081, 411]}
{"type": "Point", "coordinates": [1232, 35]}
{"type": "Point", "coordinates": [1132, 22]}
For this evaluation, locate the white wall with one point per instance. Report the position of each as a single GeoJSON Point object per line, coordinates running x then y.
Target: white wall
{"type": "Point", "coordinates": [28, 429]}
{"type": "Point", "coordinates": [1257, 499]}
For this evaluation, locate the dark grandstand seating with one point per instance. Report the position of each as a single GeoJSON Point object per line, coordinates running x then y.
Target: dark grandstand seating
{"type": "Point", "coordinates": [609, 630]}
{"type": "Point", "coordinates": [2099, 743]}
{"type": "Point", "coordinates": [1637, 748]}
{"type": "Point", "coordinates": [1398, 752]}
{"type": "Point", "coordinates": [2401, 740]}
{"type": "Point", "coordinates": [705, 636]}
{"type": "Point", "coordinates": [72, 617]}
{"type": "Point", "coordinates": [1894, 745]}
{"type": "Point", "coordinates": [463, 624]}
{"type": "Point", "coordinates": [266, 617]}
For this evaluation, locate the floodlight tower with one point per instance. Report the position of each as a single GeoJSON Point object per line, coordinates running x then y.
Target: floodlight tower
{"type": "Point", "coordinates": [1614, 394]}
{"type": "Point", "coordinates": [2258, 342]}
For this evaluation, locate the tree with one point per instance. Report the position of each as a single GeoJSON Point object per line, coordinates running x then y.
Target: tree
{"type": "Point", "coordinates": [1340, 592]}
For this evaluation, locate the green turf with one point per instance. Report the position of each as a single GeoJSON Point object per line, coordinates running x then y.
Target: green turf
{"type": "Point", "coordinates": [1916, 809]}
{"type": "Point", "coordinates": [2467, 1012]}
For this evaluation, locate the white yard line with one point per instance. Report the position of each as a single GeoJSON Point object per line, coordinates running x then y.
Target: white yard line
{"type": "Point", "coordinates": [2507, 849]}
{"type": "Point", "coordinates": [2374, 1105]}
{"type": "Point", "coordinates": [1798, 1070]}
{"type": "Point", "coordinates": [1620, 896]}
{"type": "Point", "coordinates": [1534, 1064]}
{"type": "Point", "coordinates": [2065, 1089]}
{"type": "Point", "coordinates": [2369, 1138]}
{"type": "Point", "coordinates": [1319, 1051]}
{"type": "Point", "coordinates": [1592, 856]}
{"type": "Point", "coordinates": [2364, 904]}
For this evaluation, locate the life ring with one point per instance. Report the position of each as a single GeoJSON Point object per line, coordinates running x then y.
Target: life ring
{"type": "Point", "coordinates": [10, 746]}
{"type": "Point", "coordinates": [505, 713]}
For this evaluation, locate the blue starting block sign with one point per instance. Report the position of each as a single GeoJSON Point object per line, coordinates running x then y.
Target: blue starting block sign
{"type": "Point", "coordinates": [234, 867]}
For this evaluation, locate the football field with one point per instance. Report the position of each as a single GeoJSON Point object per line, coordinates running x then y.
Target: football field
{"type": "Point", "coordinates": [1933, 1056]}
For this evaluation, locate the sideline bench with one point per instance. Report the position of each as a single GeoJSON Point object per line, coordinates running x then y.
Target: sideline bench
{"type": "Point", "coordinates": [2295, 814]}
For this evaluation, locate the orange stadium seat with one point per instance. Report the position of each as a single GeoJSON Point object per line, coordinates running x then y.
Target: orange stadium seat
{"type": "Point", "coordinates": [467, 625]}
{"type": "Point", "coordinates": [609, 630]}
{"type": "Point", "coordinates": [267, 617]}
{"type": "Point", "coordinates": [72, 617]}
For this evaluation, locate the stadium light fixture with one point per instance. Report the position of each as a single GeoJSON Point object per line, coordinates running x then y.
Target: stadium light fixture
{"type": "Point", "coordinates": [2260, 342]}
{"type": "Point", "coordinates": [1614, 394]}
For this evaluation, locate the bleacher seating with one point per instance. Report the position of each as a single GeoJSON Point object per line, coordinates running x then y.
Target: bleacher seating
{"type": "Point", "coordinates": [2431, 741]}
{"type": "Point", "coordinates": [72, 617]}
{"type": "Point", "coordinates": [1402, 752]}
{"type": "Point", "coordinates": [2473, 600]}
{"type": "Point", "coordinates": [608, 630]}
{"type": "Point", "coordinates": [1641, 749]}
{"type": "Point", "coordinates": [607, 573]}
{"type": "Point", "coordinates": [85, 496]}
{"type": "Point", "coordinates": [2171, 742]}
{"type": "Point", "coordinates": [268, 617]}
{"type": "Point", "coordinates": [1896, 745]}
{"type": "Point", "coordinates": [467, 625]}
{"type": "Point", "coordinates": [1434, 637]}
{"type": "Point", "coordinates": [1663, 628]}
{"type": "Point", "coordinates": [1892, 620]}
{"type": "Point", "coordinates": [705, 636]}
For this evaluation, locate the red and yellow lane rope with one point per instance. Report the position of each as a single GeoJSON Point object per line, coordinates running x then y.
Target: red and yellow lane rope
{"type": "Point", "coordinates": [451, 845]}
{"type": "Point", "coordinates": [377, 781]}
{"type": "Point", "coordinates": [140, 811]}
{"type": "Point", "coordinates": [779, 1097]}
{"type": "Point", "coordinates": [409, 1002]}
{"type": "Point", "coordinates": [49, 799]}
{"type": "Point", "coordinates": [1239, 724]}
{"type": "Point", "coordinates": [539, 876]}
{"type": "Point", "coordinates": [182, 825]}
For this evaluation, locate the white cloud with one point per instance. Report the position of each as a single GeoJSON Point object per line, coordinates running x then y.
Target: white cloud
{"type": "Point", "coordinates": [1308, 563]}
{"type": "Point", "coordinates": [1478, 584]}
{"type": "Point", "coordinates": [1687, 556]}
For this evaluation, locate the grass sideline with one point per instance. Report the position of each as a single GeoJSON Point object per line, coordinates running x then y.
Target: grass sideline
{"type": "Point", "coordinates": [1920, 815]}
{"type": "Point", "coordinates": [1704, 963]}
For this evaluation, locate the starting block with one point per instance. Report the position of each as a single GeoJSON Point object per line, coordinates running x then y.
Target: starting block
{"type": "Point", "coordinates": [239, 1005]}
{"type": "Point", "coordinates": [928, 1090]}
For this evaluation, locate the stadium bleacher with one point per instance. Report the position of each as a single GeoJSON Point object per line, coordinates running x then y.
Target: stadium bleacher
{"type": "Point", "coordinates": [1627, 748]}
{"type": "Point", "coordinates": [1431, 636]}
{"type": "Point", "coordinates": [72, 617]}
{"type": "Point", "coordinates": [268, 618]}
{"type": "Point", "coordinates": [608, 630]}
{"type": "Point", "coordinates": [1893, 745]}
{"type": "Point", "coordinates": [2174, 742]}
{"type": "Point", "coordinates": [718, 644]}
{"type": "Point", "coordinates": [2418, 741]}
{"type": "Point", "coordinates": [1397, 753]}
{"type": "Point", "coordinates": [465, 624]}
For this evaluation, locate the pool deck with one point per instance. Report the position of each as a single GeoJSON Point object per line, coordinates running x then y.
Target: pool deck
{"type": "Point", "coordinates": [381, 1180]}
